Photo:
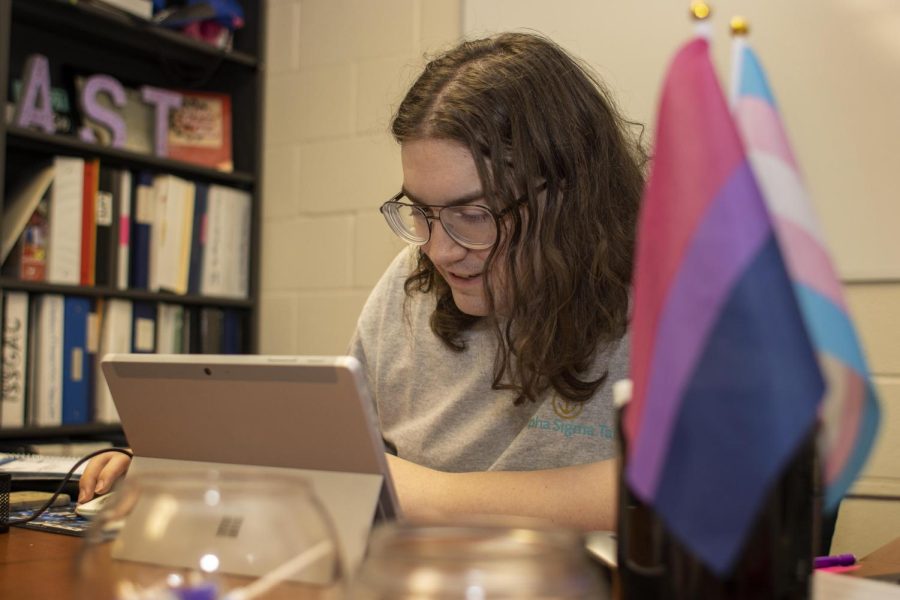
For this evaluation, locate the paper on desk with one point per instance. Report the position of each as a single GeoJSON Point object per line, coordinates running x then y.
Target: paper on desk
{"type": "Point", "coordinates": [37, 464]}
{"type": "Point", "coordinates": [832, 586]}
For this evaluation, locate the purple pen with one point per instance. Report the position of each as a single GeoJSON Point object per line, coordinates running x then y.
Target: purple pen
{"type": "Point", "coordinates": [838, 560]}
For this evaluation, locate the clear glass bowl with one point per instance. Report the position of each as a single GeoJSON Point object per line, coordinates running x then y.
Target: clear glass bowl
{"type": "Point", "coordinates": [477, 559]}
{"type": "Point", "coordinates": [232, 533]}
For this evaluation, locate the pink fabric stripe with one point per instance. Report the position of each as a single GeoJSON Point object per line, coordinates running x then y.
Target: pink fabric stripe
{"type": "Point", "coordinates": [124, 230]}
{"type": "Point", "coordinates": [691, 163]}
{"type": "Point", "coordinates": [808, 262]}
{"type": "Point", "coordinates": [734, 230]}
{"type": "Point", "coordinates": [762, 129]}
{"type": "Point", "coordinates": [851, 396]}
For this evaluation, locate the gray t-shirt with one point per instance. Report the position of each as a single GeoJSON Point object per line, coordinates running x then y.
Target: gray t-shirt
{"type": "Point", "coordinates": [436, 406]}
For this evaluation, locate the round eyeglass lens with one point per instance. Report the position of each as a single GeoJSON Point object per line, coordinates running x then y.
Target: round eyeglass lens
{"type": "Point", "coordinates": [472, 226]}
{"type": "Point", "coordinates": [411, 220]}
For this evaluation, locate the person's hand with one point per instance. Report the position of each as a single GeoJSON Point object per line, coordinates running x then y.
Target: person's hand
{"type": "Point", "coordinates": [100, 474]}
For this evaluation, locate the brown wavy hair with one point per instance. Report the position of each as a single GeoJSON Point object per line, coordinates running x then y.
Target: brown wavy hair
{"type": "Point", "coordinates": [546, 132]}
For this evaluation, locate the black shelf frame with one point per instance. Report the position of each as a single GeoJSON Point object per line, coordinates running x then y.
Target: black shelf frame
{"type": "Point", "coordinates": [38, 141]}
{"type": "Point", "coordinates": [39, 287]}
{"type": "Point", "coordinates": [112, 27]}
{"type": "Point", "coordinates": [29, 439]}
{"type": "Point", "coordinates": [82, 432]}
{"type": "Point", "coordinates": [89, 39]}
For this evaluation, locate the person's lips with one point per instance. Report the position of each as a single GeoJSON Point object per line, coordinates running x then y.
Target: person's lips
{"type": "Point", "coordinates": [463, 278]}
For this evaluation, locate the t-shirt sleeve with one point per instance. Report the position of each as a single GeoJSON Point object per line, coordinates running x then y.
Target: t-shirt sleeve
{"type": "Point", "coordinates": [385, 302]}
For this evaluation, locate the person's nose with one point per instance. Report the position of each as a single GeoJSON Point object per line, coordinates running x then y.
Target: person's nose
{"type": "Point", "coordinates": [442, 248]}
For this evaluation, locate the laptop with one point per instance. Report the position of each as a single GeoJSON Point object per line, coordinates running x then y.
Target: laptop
{"type": "Point", "coordinates": [310, 415]}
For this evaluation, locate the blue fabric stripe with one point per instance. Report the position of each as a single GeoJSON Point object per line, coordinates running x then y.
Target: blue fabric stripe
{"type": "Point", "coordinates": [830, 328]}
{"type": "Point", "coordinates": [865, 439]}
{"type": "Point", "coordinates": [752, 399]}
{"type": "Point", "coordinates": [833, 333]}
{"type": "Point", "coordinates": [753, 80]}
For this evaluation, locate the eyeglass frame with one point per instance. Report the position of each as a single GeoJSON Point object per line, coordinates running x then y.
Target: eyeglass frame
{"type": "Point", "coordinates": [395, 199]}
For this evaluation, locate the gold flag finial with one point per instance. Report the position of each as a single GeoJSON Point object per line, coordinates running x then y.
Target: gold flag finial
{"type": "Point", "coordinates": [739, 26]}
{"type": "Point", "coordinates": [700, 11]}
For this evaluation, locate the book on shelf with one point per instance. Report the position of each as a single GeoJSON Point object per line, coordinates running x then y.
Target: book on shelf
{"type": "Point", "coordinates": [115, 338]}
{"type": "Point", "coordinates": [64, 236]}
{"type": "Point", "coordinates": [21, 202]}
{"type": "Point", "coordinates": [28, 259]}
{"type": "Point", "coordinates": [169, 321]}
{"type": "Point", "coordinates": [226, 256]}
{"type": "Point", "coordinates": [122, 205]}
{"type": "Point", "coordinates": [142, 219]}
{"type": "Point", "coordinates": [106, 228]}
{"type": "Point", "coordinates": [143, 333]}
{"type": "Point", "coordinates": [14, 357]}
{"type": "Point", "coordinates": [221, 331]}
{"type": "Point", "coordinates": [232, 331]}
{"type": "Point", "coordinates": [46, 370]}
{"type": "Point", "coordinates": [190, 330]}
{"type": "Point", "coordinates": [200, 130]}
{"type": "Point", "coordinates": [77, 361]}
{"type": "Point", "coordinates": [211, 330]}
{"type": "Point", "coordinates": [171, 237]}
{"type": "Point", "coordinates": [198, 238]}
{"type": "Point", "coordinates": [89, 221]}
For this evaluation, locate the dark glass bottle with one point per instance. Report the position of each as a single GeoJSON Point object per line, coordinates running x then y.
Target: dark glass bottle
{"type": "Point", "coordinates": [776, 562]}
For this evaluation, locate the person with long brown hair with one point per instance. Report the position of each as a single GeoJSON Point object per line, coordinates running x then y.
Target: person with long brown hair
{"type": "Point", "coordinates": [492, 344]}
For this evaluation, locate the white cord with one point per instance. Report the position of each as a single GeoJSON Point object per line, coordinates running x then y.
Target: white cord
{"type": "Point", "coordinates": [280, 573]}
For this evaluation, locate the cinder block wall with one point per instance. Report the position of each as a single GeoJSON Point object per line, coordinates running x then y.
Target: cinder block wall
{"type": "Point", "coordinates": [336, 69]}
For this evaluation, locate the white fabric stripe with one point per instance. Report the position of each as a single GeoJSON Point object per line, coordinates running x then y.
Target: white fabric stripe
{"type": "Point", "coordinates": [737, 65]}
{"type": "Point", "coordinates": [784, 193]}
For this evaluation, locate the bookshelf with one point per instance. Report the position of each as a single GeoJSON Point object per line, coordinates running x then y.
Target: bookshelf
{"type": "Point", "coordinates": [80, 39]}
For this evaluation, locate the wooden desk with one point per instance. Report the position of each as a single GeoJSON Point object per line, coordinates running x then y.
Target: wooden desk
{"type": "Point", "coordinates": [36, 565]}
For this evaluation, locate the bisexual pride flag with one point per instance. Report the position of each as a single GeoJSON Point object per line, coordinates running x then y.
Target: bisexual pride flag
{"type": "Point", "coordinates": [849, 412]}
{"type": "Point", "coordinates": [726, 384]}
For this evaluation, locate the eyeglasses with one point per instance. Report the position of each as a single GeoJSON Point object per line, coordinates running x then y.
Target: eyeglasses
{"type": "Point", "coordinates": [470, 225]}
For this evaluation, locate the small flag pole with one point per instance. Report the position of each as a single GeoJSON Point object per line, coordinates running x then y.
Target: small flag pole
{"type": "Point", "coordinates": [700, 13]}
{"type": "Point", "coordinates": [740, 29]}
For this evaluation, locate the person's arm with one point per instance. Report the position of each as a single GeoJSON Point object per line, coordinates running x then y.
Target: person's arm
{"type": "Point", "coordinates": [582, 497]}
{"type": "Point", "coordinates": [100, 474]}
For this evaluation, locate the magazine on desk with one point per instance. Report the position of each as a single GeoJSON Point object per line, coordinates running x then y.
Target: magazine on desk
{"type": "Point", "coordinates": [39, 466]}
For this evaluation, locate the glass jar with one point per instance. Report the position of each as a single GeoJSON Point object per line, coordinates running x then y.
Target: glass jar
{"type": "Point", "coordinates": [476, 559]}
{"type": "Point", "coordinates": [226, 533]}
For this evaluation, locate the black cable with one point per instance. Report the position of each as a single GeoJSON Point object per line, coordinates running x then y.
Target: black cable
{"type": "Point", "coordinates": [65, 480]}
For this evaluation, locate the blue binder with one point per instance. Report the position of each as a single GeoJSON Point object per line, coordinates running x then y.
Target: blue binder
{"type": "Point", "coordinates": [77, 361]}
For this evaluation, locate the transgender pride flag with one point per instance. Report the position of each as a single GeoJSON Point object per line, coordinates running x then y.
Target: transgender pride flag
{"type": "Point", "coordinates": [850, 412]}
{"type": "Point", "coordinates": [726, 384]}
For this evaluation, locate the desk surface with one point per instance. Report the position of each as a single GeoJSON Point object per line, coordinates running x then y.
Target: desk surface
{"type": "Point", "coordinates": [39, 565]}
